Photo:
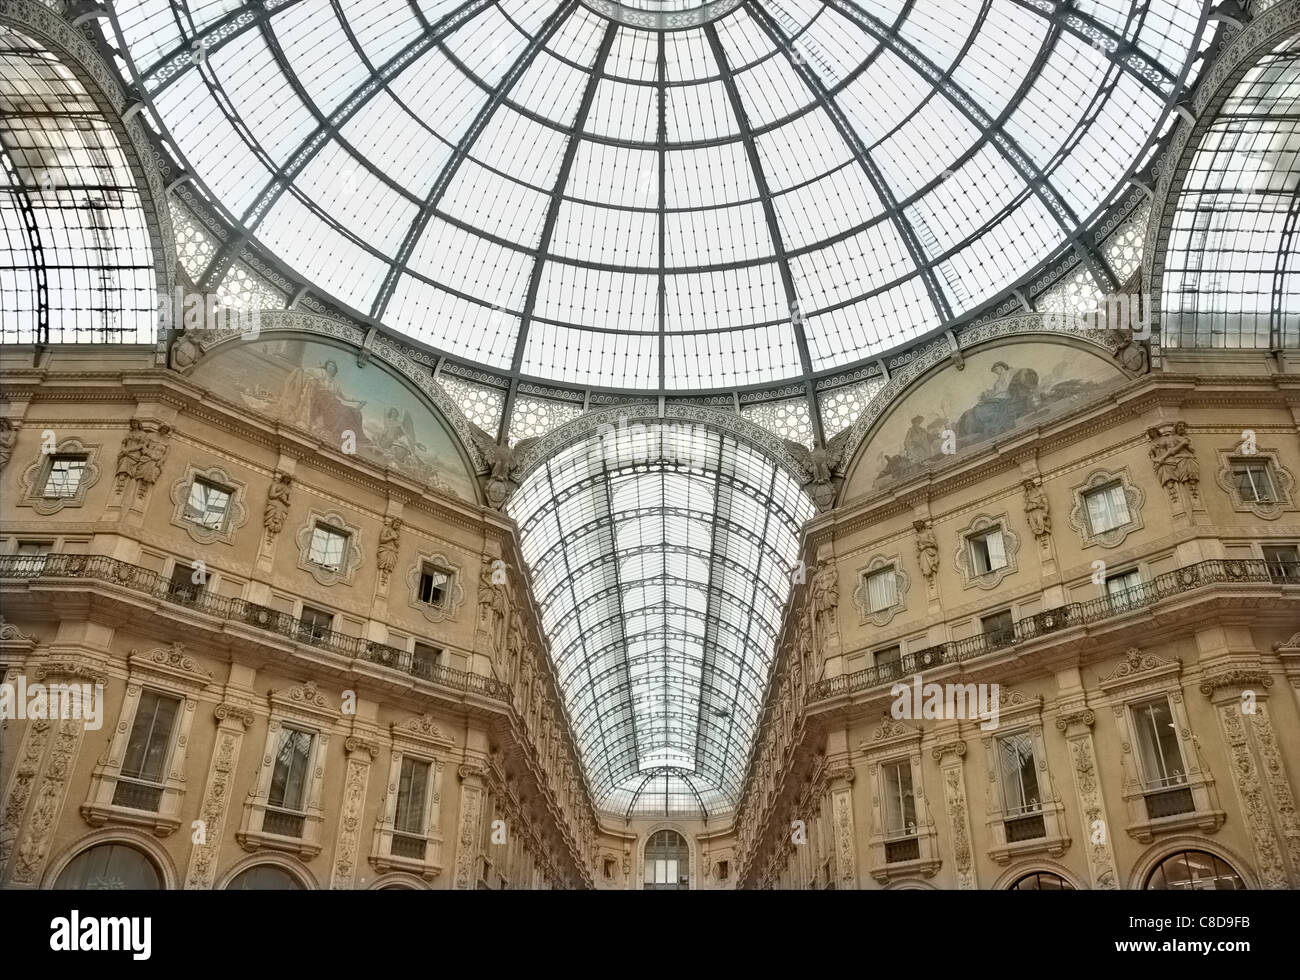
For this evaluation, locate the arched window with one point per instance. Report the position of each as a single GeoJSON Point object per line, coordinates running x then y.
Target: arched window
{"type": "Point", "coordinates": [110, 867]}
{"type": "Point", "coordinates": [1042, 881]}
{"type": "Point", "coordinates": [667, 862]}
{"type": "Point", "coordinates": [1194, 871]}
{"type": "Point", "coordinates": [264, 877]}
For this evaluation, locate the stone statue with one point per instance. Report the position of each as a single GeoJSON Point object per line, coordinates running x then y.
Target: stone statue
{"type": "Point", "coordinates": [389, 541]}
{"type": "Point", "coordinates": [131, 454]}
{"type": "Point", "coordinates": [185, 352]}
{"type": "Point", "coordinates": [277, 504]}
{"type": "Point", "coordinates": [503, 465]}
{"type": "Point", "coordinates": [8, 436]}
{"type": "Point", "coordinates": [927, 549]}
{"type": "Point", "coordinates": [823, 604]}
{"type": "Point", "coordinates": [819, 466]}
{"type": "Point", "coordinates": [1174, 458]}
{"type": "Point", "coordinates": [515, 641]}
{"type": "Point", "coordinates": [491, 606]}
{"type": "Point", "coordinates": [152, 454]}
{"type": "Point", "coordinates": [1037, 512]}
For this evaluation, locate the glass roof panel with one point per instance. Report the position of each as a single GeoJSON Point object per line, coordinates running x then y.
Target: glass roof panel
{"type": "Point", "coordinates": [857, 118]}
{"type": "Point", "coordinates": [658, 555]}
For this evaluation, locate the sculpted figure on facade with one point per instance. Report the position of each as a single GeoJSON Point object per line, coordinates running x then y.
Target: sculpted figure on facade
{"type": "Point", "coordinates": [823, 604]}
{"type": "Point", "coordinates": [491, 605]}
{"type": "Point", "coordinates": [1037, 510]}
{"type": "Point", "coordinates": [277, 504]}
{"type": "Point", "coordinates": [131, 454]}
{"type": "Point", "coordinates": [8, 436]}
{"type": "Point", "coordinates": [1174, 458]}
{"type": "Point", "coordinates": [390, 539]}
{"type": "Point", "coordinates": [927, 549]}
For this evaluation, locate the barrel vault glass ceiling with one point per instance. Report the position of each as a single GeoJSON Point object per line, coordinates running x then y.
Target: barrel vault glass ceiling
{"type": "Point", "coordinates": [759, 192]}
{"type": "Point", "coordinates": [660, 557]}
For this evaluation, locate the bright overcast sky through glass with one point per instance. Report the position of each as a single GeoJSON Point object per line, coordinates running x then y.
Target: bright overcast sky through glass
{"type": "Point", "coordinates": [766, 191]}
{"type": "Point", "coordinates": [661, 557]}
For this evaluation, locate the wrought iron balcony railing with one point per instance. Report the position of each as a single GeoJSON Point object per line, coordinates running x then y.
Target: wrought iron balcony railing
{"type": "Point", "coordinates": [144, 581]}
{"type": "Point", "coordinates": [1180, 580]}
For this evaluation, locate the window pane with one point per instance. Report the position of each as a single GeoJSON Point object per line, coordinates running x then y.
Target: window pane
{"type": "Point", "coordinates": [64, 476]}
{"type": "Point", "coordinates": [900, 805]}
{"type": "Point", "coordinates": [206, 505]}
{"type": "Point", "coordinates": [882, 590]}
{"type": "Point", "coordinates": [146, 752]}
{"type": "Point", "coordinates": [411, 796]}
{"type": "Point", "coordinates": [1107, 508]}
{"type": "Point", "coordinates": [1162, 760]}
{"type": "Point", "coordinates": [327, 547]}
{"type": "Point", "coordinates": [289, 778]}
{"type": "Point", "coordinates": [1019, 774]}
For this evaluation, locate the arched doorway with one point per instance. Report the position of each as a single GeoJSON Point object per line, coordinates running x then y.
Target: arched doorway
{"type": "Point", "coordinates": [667, 862]}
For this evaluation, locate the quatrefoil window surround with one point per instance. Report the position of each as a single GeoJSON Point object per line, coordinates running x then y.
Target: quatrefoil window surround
{"type": "Point", "coordinates": [987, 552]}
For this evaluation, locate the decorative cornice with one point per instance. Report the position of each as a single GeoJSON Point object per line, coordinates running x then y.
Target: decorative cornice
{"type": "Point", "coordinates": [1244, 677]}
{"type": "Point", "coordinates": [1136, 662]}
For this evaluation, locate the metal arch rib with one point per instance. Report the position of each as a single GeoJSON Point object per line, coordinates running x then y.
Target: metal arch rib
{"type": "Point", "coordinates": [873, 173]}
{"type": "Point", "coordinates": [167, 69]}
{"type": "Point", "coordinates": [773, 226]}
{"type": "Point", "coordinates": [1124, 53]}
{"type": "Point", "coordinates": [32, 232]}
{"type": "Point", "coordinates": [1015, 156]}
{"type": "Point", "coordinates": [548, 224]}
{"type": "Point", "coordinates": [535, 44]}
{"type": "Point", "coordinates": [331, 126]}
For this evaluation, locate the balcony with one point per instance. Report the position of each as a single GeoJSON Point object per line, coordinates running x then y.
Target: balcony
{"type": "Point", "coordinates": [143, 581]}
{"type": "Point", "coordinates": [1217, 571]}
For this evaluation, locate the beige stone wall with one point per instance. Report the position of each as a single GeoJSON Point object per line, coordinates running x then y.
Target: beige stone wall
{"type": "Point", "coordinates": [510, 807]}
{"type": "Point", "coordinates": [1201, 643]}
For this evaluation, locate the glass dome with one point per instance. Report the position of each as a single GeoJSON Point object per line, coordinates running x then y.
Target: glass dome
{"type": "Point", "coordinates": [662, 195]}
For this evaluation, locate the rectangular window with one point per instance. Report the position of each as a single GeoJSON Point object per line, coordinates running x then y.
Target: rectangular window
{"type": "Point", "coordinates": [887, 661]}
{"type": "Point", "coordinates": [1122, 588]}
{"type": "Point", "coordinates": [1019, 774]}
{"type": "Point", "coordinates": [882, 590]}
{"type": "Point", "coordinates": [1283, 563]}
{"type": "Point", "coordinates": [314, 625]}
{"type": "Point", "coordinates": [900, 801]}
{"type": "Point", "coordinates": [327, 547]}
{"type": "Point", "coordinates": [183, 587]}
{"type": "Point", "coordinates": [1107, 508]}
{"type": "Point", "coordinates": [724, 870]}
{"type": "Point", "coordinates": [987, 552]}
{"type": "Point", "coordinates": [32, 556]}
{"type": "Point", "coordinates": [1158, 749]}
{"type": "Point", "coordinates": [64, 475]}
{"type": "Point", "coordinates": [998, 627]}
{"type": "Point", "coordinates": [146, 752]}
{"type": "Point", "coordinates": [289, 778]}
{"type": "Point", "coordinates": [1254, 482]}
{"type": "Point", "coordinates": [412, 794]}
{"type": "Point", "coordinates": [435, 582]}
{"type": "Point", "coordinates": [424, 660]}
{"type": "Point", "coordinates": [206, 505]}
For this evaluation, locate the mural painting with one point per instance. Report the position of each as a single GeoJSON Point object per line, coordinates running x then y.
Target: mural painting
{"type": "Point", "coordinates": [318, 388]}
{"type": "Point", "coordinates": [999, 390]}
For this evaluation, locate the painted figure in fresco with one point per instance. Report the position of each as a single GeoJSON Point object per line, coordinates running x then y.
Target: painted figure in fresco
{"type": "Point", "coordinates": [312, 399]}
